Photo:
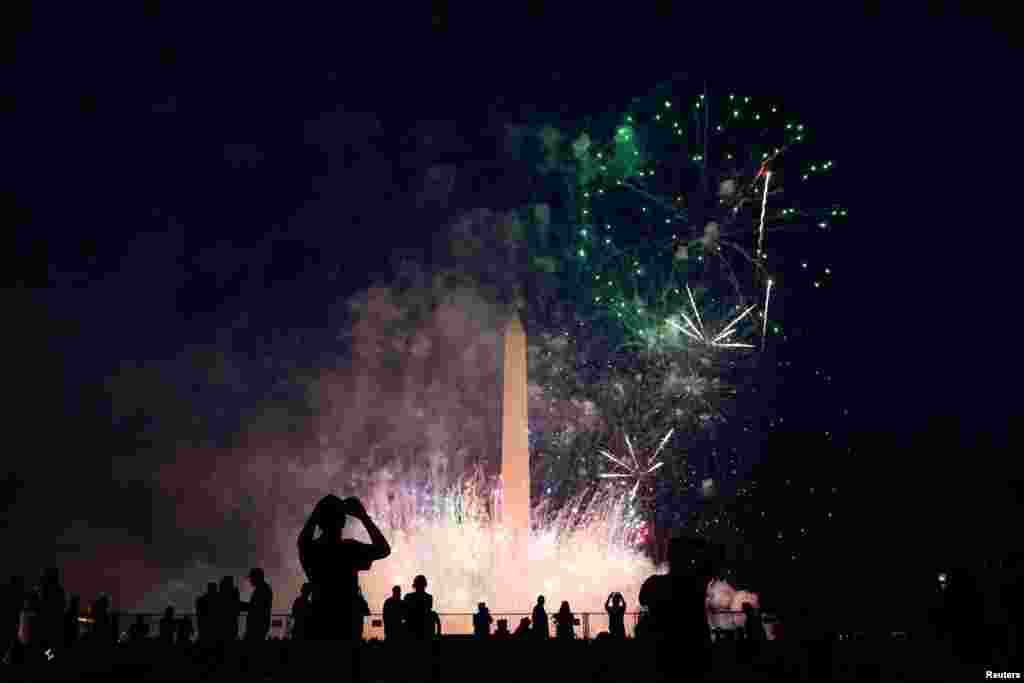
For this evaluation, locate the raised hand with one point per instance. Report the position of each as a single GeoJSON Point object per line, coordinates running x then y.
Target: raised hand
{"type": "Point", "coordinates": [354, 508]}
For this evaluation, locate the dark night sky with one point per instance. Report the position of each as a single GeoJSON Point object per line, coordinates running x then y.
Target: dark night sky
{"type": "Point", "coordinates": [180, 180]}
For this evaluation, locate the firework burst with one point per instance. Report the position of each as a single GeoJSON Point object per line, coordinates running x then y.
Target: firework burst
{"type": "Point", "coordinates": [579, 550]}
{"type": "Point", "coordinates": [698, 333]}
{"type": "Point", "coordinates": [632, 469]}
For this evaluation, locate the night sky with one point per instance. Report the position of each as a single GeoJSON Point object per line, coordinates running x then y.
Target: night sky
{"type": "Point", "coordinates": [197, 197]}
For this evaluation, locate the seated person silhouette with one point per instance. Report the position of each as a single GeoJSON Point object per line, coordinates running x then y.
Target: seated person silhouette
{"type": "Point", "coordinates": [564, 620]}
{"type": "Point", "coordinates": [482, 621]}
{"type": "Point", "coordinates": [523, 630]}
{"type": "Point", "coordinates": [615, 605]}
{"type": "Point", "coordinates": [418, 606]}
{"type": "Point", "coordinates": [502, 631]}
{"type": "Point", "coordinates": [541, 628]}
{"type": "Point", "coordinates": [332, 565]}
{"type": "Point", "coordinates": [393, 615]}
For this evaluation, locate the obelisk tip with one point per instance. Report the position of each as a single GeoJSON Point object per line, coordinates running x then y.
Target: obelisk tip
{"type": "Point", "coordinates": [515, 324]}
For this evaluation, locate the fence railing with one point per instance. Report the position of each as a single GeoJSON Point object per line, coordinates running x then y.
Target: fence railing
{"type": "Point", "coordinates": [588, 625]}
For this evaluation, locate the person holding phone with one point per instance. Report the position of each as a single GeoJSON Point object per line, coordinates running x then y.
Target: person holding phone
{"type": "Point", "coordinates": [615, 605]}
{"type": "Point", "coordinates": [332, 565]}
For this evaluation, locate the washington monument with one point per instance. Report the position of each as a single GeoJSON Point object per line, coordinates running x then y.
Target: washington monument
{"type": "Point", "coordinates": [515, 463]}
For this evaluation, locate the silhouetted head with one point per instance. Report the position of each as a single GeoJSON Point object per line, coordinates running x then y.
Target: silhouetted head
{"type": "Point", "coordinates": [256, 576]}
{"type": "Point", "coordinates": [419, 583]}
{"type": "Point", "coordinates": [227, 584]}
{"type": "Point", "coordinates": [617, 599]}
{"type": "Point", "coordinates": [481, 606]}
{"type": "Point", "coordinates": [747, 608]}
{"type": "Point", "coordinates": [540, 600]}
{"type": "Point", "coordinates": [690, 553]}
{"type": "Point", "coordinates": [211, 587]}
{"type": "Point", "coordinates": [141, 620]}
{"type": "Point", "coordinates": [565, 606]}
{"type": "Point", "coordinates": [396, 591]}
{"type": "Point", "coordinates": [169, 613]}
{"type": "Point", "coordinates": [331, 516]}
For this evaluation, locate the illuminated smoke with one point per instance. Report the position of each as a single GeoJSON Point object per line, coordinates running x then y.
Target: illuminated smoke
{"type": "Point", "coordinates": [581, 552]}
{"type": "Point", "coordinates": [722, 596]}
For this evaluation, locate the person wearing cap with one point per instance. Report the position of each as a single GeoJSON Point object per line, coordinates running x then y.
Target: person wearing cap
{"type": "Point", "coordinates": [257, 623]}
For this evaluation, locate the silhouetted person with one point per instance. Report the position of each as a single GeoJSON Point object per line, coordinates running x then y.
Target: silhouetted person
{"type": "Point", "coordinates": [332, 565]}
{"type": "Point", "coordinates": [51, 595]}
{"type": "Point", "coordinates": [393, 615]}
{"type": "Point", "coordinates": [524, 630]}
{"type": "Point", "coordinates": [300, 612]}
{"type": "Point", "coordinates": [482, 621]}
{"type": "Point", "coordinates": [615, 606]}
{"type": "Point", "coordinates": [167, 627]}
{"type": "Point", "coordinates": [206, 610]}
{"type": "Point", "coordinates": [966, 615]}
{"type": "Point", "coordinates": [677, 621]}
{"type": "Point", "coordinates": [226, 610]}
{"type": "Point", "coordinates": [753, 626]}
{"type": "Point", "coordinates": [28, 645]}
{"type": "Point", "coordinates": [502, 632]}
{"type": "Point", "coordinates": [564, 622]}
{"type": "Point", "coordinates": [417, 606]}
{"type": "Point", "coordinates": [362, 611]}
{"type": "Point", "coordinates": [676, 602]}
{"type": "Point", "coordinates": [184, 631]}
{"type": "Point", "coordinates": [115, 626]}
{"type": "Point", "coordinates": [257, 623]}
{"type": "Point", "coordinates": [139, 630]}
{"type": "Point", "coordinates": [71, 621]}
{"type": "Point", "coordinates": [103, 629]}
{"type": "Point", "coordinates": [13, 601]}
{"type": "Point", "coordinates": [541, 629]}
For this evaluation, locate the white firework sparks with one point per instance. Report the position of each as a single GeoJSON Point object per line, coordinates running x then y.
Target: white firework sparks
{"type": "Point", "coordinates": [764, 327]}
{"type": "Point", "coordinates": [697, 332]}
{"type": "Point", "coordinates": [579, 551]}
{"type": "Point", "coordinates": [764, 206]}
{"type": "Point", "coordinates": [632, 469]}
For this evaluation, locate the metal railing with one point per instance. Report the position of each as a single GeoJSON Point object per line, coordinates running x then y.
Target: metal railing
{"type": "Point", "coordinates": [588, 624]}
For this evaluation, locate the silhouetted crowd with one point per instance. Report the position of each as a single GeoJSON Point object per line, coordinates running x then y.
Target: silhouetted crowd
{"type": "Point", "coordinates": [43, 629]}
